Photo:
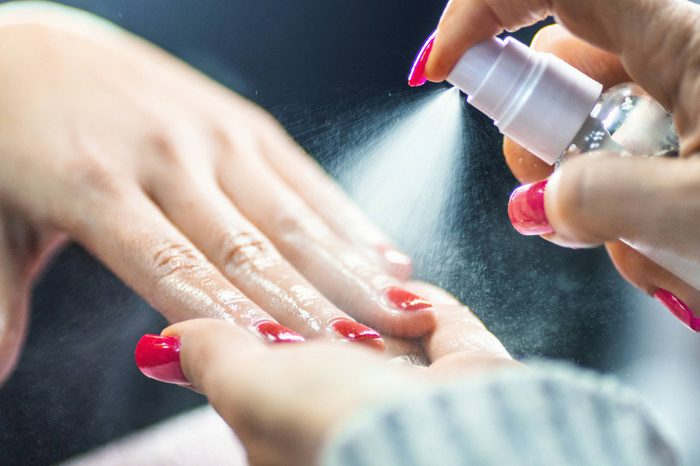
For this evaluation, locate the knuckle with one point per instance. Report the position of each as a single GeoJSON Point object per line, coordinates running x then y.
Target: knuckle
{"type": "Point", "coordinates": [223, 138]}
{"type": "Point", "coordinates": [163, 145]}
{"type": "Point", "coordinates": [296, 229]}
{"type": "Point", "coordinates": [232, 141]}
{"type": "Point", "coordinates": [174, 259]}
{"type": "Point", "coordinates": [94, 178]}
{"type": "Point", "coordinates": [309, 225]}
{"type": "Point", "coordinates": [245, 251]}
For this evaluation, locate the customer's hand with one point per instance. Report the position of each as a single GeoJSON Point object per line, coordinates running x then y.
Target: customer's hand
{"type": "Point", "coordinates": [283, 403]}
{"type": "Point", "coordinates": [194, 197]}
{"type": "Point", "coordinates": [602, 197]}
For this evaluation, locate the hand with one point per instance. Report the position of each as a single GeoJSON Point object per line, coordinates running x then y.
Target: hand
{"type": "Point", "coordinates": [602, 197]}
{"type": "Point", "coordinates": [194, 197]}
{"type": "Point", "coordinates": [284, 403]}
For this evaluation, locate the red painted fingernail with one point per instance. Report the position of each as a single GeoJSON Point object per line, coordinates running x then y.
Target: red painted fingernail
{"type": "Point", "coordinates": [276, 333]}
{"type": "Point", "coordinates": [678, 308]}
{"type": "Point", "coordinates": [526, 209]}
{"type": "Point", "coordinates": [356, 332]}
{"type": "Point", "coordinates": [405, 300]}
{"type": "Point", "coordinates": [417, 75]}
{"type": "Point", "coordinates": [158, 357]}
{"type": "Point", "coordinates": [400, 265]}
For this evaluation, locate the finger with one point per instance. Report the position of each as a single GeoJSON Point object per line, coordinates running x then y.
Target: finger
{"type": "Point", "coordinates": [136, 241]}
{"type": "Point", "coordinates": [313, 185]}
{"type": "Point", "coordinates": [602, 66]}
{"type": "Point", "coordinates": [336, 269]}
{"type": "Point", "coordinates": [14, 312]}
{"type": "Point", "coordinates": [465, 23]}
{"type": "Point", "coordinates": [24, 251]}
{"type": "Point", "coordinates": [614, 26]}
{"type": "Point", "coordinates": [248, 259]}
{"type": "Point", "coordinates": [458, 331]}
{"type": "Point", "coordinates": [213, 350]}
{"type": "Point", "coordinates": [262, 393]}
{"type": "Point", "coordinates": [681, 299]}
{"type": "Point", "coordinates": [604, 197]}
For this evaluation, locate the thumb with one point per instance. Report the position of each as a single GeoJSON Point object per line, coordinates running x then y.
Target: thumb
{"type": "Point", "coordinates": [652, 204]}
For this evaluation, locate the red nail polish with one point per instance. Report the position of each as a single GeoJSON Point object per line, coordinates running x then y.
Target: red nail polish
{"type": "Point", "coordinates": [678, 308]}
{"type": "Point", "coordinates": [158, 357]}
{"type": "Point", "coordinates": [526, 209]}
{"type": "Point", "coordinates": [400, 264]}
{"type": "Point", "coordinates": [417, 75]}
{"type": "Point", "coordinates": [405, 300]}
{"type": "Point", "coordinates": [354, 331]}
{"type": "Point", "coordinates": [276, 333]}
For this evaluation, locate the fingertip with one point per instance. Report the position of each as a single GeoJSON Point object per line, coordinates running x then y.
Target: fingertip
{"type": "Point", "coordinates": [158, 358]}
{"type": "Point", "coordinates": [545, 38]}
{"type": "Point", "coordinates": [206, 329]}
{"type": "Point", "coordinates": [402, 323]}
{"type": "Point", "coordinates": [204, 345]}
{"type": "Point", "coordinates": [417, 76]}
{"type": "Point", "coordinates": [410, 325]}
{"type": "Point", "coordinates": [348, 330]}
{"type": "Point", "coordinates": [679, 308]}
{"type": "Point", "coordinates": [445, 53]}
{"type": "Point", "coordinates": [437, 67]}
{"type": "Point", "coordinates": [435, 294]}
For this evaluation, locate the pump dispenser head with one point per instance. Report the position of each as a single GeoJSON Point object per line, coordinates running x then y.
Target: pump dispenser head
{"type": "Point", "coordinates": [534, 98]}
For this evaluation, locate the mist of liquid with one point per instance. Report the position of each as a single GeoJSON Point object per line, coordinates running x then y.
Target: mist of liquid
{"type": "Point", "coordinates": [403, 176]}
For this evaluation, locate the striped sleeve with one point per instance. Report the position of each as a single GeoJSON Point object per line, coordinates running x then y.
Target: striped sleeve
{"type": "Point", "coordinates": [549, 415]}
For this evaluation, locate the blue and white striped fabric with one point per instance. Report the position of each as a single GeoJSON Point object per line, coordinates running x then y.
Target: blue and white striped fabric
{"type": "Point", "coordinates": [550, 415]}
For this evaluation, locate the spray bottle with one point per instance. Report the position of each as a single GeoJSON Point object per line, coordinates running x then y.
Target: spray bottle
{"type": "Point", "coordinates": [555, 111]}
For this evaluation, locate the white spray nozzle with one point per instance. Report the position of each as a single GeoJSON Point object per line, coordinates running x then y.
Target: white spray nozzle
{"type": "Point", "coordinates": [534, 98]}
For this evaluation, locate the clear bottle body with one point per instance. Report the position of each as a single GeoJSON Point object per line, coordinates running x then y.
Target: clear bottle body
{"type": "Point", "coordinates": [628, 121]}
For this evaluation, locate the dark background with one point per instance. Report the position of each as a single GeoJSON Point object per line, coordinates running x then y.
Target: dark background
{"type": "Point", "coordinates": [311, 63]}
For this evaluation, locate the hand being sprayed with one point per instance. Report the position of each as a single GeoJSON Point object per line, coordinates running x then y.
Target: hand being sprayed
{"type": "Point", "coordinates": [194, 197]}
{"type": "Point", "coordinates": [284, 405]}
{"type": "Point", "coordinates": [602, 197]}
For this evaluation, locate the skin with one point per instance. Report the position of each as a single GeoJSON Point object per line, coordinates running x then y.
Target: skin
{"type": "Point", "coordinates": [193, 196]}
{"type": "Point", "coordinates": [602, 197]}
{"type": "Point", "coordinates": [250, 384]}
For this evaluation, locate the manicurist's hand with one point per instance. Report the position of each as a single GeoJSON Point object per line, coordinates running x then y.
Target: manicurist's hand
{"type": "Point", "coordinates": [284, 403]}
{"type": "Point", "coordinates": [194, 197]}
{"type": "Point", "coordinates": [602, 197]}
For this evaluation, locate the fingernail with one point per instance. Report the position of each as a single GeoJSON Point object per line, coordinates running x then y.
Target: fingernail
{"type": "Point", "coordinates": [678, 308]}
{"type": "Point", "coordinates": [356, 332]}
{"type": "Point", "coordinates": [399, 264]}
{"type": "Point", "coordinates": [158, 357]}
{"type": "Point", "coordinates": [526, 209]}
{"type": "Point", "coordinates": [405, 300]}
{"type": "Point", "coordinates": [417, 75]}
{"type": "Point", "coordinates": [276, 333]}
